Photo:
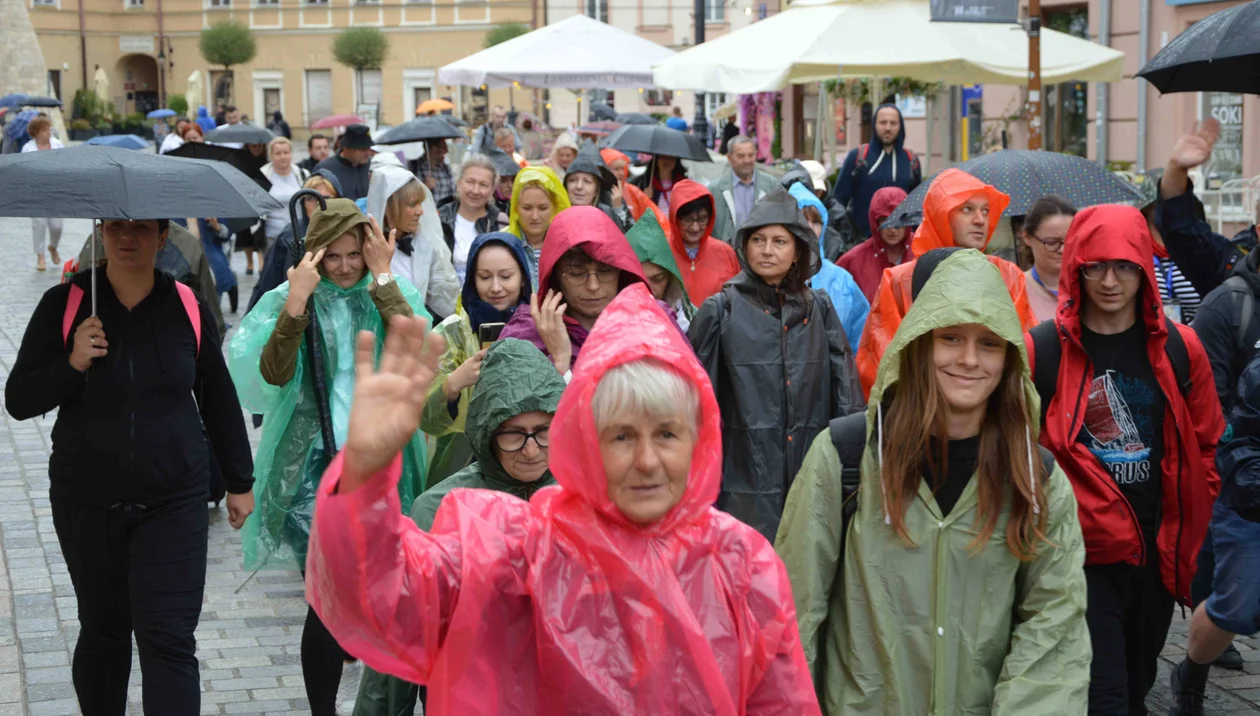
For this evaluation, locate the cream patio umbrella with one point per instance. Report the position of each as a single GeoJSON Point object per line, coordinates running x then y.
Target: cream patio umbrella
{"type": "Point", "coordinates": [100, 85]}
{"type": "Point", "coordinates": [192, 95]}
{"type": "Point", "coordinates": [818, 40]}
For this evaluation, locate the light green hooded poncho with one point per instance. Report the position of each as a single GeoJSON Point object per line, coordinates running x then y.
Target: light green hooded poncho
{"type": "Point", "coordinates": [936, 629]}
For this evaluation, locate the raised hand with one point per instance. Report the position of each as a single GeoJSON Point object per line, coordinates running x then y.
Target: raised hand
{"type": "Point", "coordinates": [549, 321]}
{"type": "Point", "coordinates": [388, 401]}
{"type": "Point", "coordinates": [1196, 147]}
{"type": "Point", "coordinates": [378, 251]}
{"type": "Point", "coordinates": [303, 279]}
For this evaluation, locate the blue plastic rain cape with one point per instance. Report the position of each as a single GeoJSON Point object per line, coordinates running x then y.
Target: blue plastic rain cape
{"type": "Point", "coordinates": [291, 456]}
{"type": "Point", "coordinates": [845, 294]}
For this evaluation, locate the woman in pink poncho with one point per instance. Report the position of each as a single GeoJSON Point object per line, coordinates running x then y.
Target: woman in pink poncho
{"type": "Point", "coordinates": [620, 591]}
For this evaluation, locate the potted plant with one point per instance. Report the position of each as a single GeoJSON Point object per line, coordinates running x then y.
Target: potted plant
{"type": "Point", "coordinates": [81, 130]}
{"type": "Point", "coordinates": [104, 127]}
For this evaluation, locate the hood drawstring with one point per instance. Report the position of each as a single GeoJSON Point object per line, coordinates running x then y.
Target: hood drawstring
{"type": "Point", "coordinates": [883, 153]}
{"type": "Point", "coordinates": [1032, 475]}
{"type": "Point", "coordinates": [879, 432]}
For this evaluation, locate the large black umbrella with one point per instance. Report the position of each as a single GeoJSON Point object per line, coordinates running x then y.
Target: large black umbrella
{"type": "Point", "coordinates": [658, 140]}
{"type": "Point", "coordinates": [245, 162]}
{"type": "Point", "coordinates": [240, 134]}
{"type": "Point", "coordinates": [420, 129]}
{"type": "Point", "coordinates": [92, 182]}
{"type": "Point", "coordinates": [635, 118]}
{"type": "Point", "coordinates": [1220, 53]}
{"type": "Point", "coordinates": [1026, 176]}
{"type": "Point", "coordinates": [602, 112]}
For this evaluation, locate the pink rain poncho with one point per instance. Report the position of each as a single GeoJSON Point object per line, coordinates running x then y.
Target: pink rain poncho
{"type": "Point", "coordinates": [561, 605]}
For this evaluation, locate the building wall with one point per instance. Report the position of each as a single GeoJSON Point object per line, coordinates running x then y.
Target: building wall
{"type": "Point", "coordinates": [293, 37]}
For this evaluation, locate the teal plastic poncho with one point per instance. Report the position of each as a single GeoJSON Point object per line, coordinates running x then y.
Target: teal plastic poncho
{"type": "Point", "coordinates": [291, 457]}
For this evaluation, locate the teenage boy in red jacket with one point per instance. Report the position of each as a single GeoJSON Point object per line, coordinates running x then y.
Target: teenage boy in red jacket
{"type": "Point", "coordinates": [1132, 417]}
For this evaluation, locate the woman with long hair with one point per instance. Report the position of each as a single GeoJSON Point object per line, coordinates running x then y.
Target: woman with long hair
{"type": "Point", "coordinates": [956, 586]}
{"type": "Point", "coordinates": [537, 196]}
{"type": "Point", "coordinates": [1045, 229]}
{"type": "Point", "coordinates": [345, 278]}
{"type": "Point", "coordinates": [767, 327]}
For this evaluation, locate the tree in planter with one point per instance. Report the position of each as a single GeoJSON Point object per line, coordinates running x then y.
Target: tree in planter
{"type": "Point", "coordinates": [178, 104]}
{"type": "Point", "coordinates": [227, 44]}
{"type": "Point", "coordinates": [361, 48]}
{"type": "Point", "coordinates": [502, 33]}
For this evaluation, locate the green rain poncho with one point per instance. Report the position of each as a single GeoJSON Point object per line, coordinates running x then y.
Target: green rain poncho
{"type": "Point", "coordinates": [649, 242]}
{"type": "Point", "coordinates": [935, 629]}
{"type": "Point", "coordinates": [291, 457]}
{"type": "Point", "coordinates": [516, 378]}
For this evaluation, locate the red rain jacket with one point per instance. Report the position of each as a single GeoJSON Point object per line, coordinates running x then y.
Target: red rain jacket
{"type": "Point", "coordinates": [715, 263]}
{"type": "Point", "coordinates": [561, 605]}
{"type": "Point", "coordinates": [589, 229]}
{"type": "Point", "coordinates": [1192, 424]}
{"type": "Point", "coordinates": [867, 261]}
{"type": "Point", "coordinates": [950, 190]}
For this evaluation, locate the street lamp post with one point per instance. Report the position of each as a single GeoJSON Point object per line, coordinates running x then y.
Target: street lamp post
{"type": "Point", "coordinates": [700, 125]}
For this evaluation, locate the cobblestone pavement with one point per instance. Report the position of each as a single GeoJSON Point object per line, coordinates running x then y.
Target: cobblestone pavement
{"type": "Point", "coordinates": [248, 641]}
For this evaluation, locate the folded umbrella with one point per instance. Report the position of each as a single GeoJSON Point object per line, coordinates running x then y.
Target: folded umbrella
{"type": "Point", "coordinates": [241, 134]}
{"type": "Point", "coordinates": [1026, 176]}
{"type": "Point", "coordinates": [658, 140]}
{"type": "Point", "coordinates": [1220, 53]}
{"type": "Point", "coordinates": [122, 141]}
{"type": "Point", "coordinates": [420, 129]}
{"type": "Point", "coordinates": [635, 118]}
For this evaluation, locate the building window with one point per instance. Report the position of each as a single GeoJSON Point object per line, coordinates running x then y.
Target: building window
{"type": "Point", "coordinates": [715, 10]}
{"type": "Point", "coordinates": [266, 2]}
{"type": "Point", "coordinates": [597, 9]}
{"type": "Point", "coordinates": [316, 2]}
{"type": "Point", "coordinates": [134, 4]}
{"type": "Point", "coordinates": [45, 3]}
{"type": "Point", "coordinates": [658, 98]}
{"type": "Point", "coordinates": [219, 3]}
{"type": "Point", "coordinates": [1065, 115]}
{"type": "Point", "coordinates": [54, 83]}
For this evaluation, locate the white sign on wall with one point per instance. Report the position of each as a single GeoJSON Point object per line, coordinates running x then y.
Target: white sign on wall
{"type": "Point", "coordinates": [912, 107]}
{"type": "Point", "coordinates": [136, 43]}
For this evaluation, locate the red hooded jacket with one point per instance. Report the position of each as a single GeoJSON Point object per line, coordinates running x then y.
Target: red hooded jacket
{"type": "Point", "coordinates": [867, 261]}
{"type": "Point", "coordinates": [1192, 424]}
{"type": "Point", "coordinates": [589, 229]}
{"type": "Point", "coordinates": [715, 263]}
{"type": "Point", "coordinates": [950, 190]}
{"type": "Point", "coordinates": [562, 605]}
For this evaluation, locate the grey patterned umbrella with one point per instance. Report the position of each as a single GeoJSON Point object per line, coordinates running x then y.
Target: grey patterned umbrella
{"type": "Point", "coordinates": [1026, 176]}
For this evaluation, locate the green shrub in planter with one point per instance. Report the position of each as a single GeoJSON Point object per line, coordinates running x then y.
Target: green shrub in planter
{"type": "Point", "coordinates": [177, 104]}
{"type": "Point", "coordinates": [80, 124]}
{"type": "Point", "coordinates": [135, 119]}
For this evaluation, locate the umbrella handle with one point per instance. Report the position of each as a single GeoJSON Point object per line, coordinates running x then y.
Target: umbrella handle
{"type": "Point", "coordinates": [299, 242]}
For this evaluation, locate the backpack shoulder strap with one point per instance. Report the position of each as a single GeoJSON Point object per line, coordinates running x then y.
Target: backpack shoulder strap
{"type": "Point", "coordinates": [848, 435]}
{"type": "Point", "coordinates": [860, 164]}
{"type": "Point", "coordinates": [189, 299]}
{"type": "Point", "coordinates": [1175, 347]}
{"type": "Point", "coordinates": [1047, 462]}
{"type": "Point", "coordinates": [1239, 285]}
{"type": "Point", "coordinates": [73, 301]}
{"type": "Point", "coordinates": [1047, 353]}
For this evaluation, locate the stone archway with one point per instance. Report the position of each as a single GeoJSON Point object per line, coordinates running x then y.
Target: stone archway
{"type": "Point", "coordinates": [139, 76]}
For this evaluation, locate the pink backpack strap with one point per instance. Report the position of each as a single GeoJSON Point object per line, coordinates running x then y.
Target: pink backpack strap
{"type": "Point", "coordinates": [189, 299]}
{"type": "Point", "coordinates": [72, 309]}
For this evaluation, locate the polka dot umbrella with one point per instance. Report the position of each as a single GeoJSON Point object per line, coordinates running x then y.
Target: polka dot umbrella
{"type": "Point", "coordinates": [1027, 176]}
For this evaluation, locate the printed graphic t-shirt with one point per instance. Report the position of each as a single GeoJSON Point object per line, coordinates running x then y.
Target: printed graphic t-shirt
{"type": "Point", "coordinates": [1124, 419]}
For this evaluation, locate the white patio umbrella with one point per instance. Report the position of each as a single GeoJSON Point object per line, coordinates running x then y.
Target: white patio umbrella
{"type": "Point", "coordinates": [576, 53]}
{"type": "Point", "coordinates": [821, 39]}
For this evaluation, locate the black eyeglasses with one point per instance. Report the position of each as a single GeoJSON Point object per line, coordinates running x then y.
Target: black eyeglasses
{"type": "Point", "coordinates": [1054, 246]}
{"type": "Point", "coordinates": [1124, 270]}
{"type": "Point", "coordinates": [514, 440]}
{"type": "Point", "coordinates": [694, 220]}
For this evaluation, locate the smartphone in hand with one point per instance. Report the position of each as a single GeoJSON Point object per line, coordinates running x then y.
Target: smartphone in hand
{"type": "Point", "coordinates": [488, 333]}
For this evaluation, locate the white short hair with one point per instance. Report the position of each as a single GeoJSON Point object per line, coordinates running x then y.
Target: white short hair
{"type": "Point", "coordinates": [645, 386]}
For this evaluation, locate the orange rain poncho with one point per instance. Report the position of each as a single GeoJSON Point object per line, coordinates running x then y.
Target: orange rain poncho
{"type": "Point", "coordinates": [950, 190]}
{"type": "Point", "coordinates": [561, 605]}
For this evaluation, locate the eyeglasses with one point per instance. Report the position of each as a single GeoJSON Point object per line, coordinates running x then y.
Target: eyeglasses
{"type": "Point", "coordinates": [698, 220]}
{"type": "Point", "coordinates": [1124, 270]}
{"type": "Point", "coordinates": [1054, 246]}
{"type": "Point", "coordinates": [514, 440]}
{"type": "Point", "coordinates": [604, 274]}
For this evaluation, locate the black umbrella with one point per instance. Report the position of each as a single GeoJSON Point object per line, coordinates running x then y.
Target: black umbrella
{"type": "Point", "coordinates": [658, 140]}
{"type": "Point", "coordinates": [420, 129]}
{"type": "Point", "coordinates": [93, 182]}
{"type": "Point", "coordinates": [453, 120]}
{"type": "Point", "coordinates": [242, 160]}
{"type": "Point", "coordinates": [241, 134]}
{"type": "Point", "coordinates": [1220, 53]}
{"type": "Point", "coordinates": [1026, 176]}
{"type": "Point", "coordinates": [602, 112]}
{"type": "Point", "coordinates": [635, 118]}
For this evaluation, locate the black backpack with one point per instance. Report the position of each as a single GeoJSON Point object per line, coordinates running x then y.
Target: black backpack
{"type": "Point", "coordinates": [1048, 352]}
{"type": "Point", "coordinates": [848, 435]}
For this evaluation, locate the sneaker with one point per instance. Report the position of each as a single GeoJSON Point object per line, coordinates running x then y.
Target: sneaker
{"type": "Point", "coordinates": [348, 691]}
{"type": "Point", "coordinates": [1186, 702]}
{"type": "Point", "coordinates": [1229, 659]}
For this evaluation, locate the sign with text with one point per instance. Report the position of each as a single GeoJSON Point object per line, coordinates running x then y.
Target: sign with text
{"type": "Point", "coordinates": [995, 11]}
{"type": "Point", "coordinates": [1226, 108]}
{"type": "Point", "coordinates": [136, 43]}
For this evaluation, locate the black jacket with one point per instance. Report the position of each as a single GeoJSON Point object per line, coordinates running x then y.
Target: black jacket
{"type": "Point", "coordinates": [486, 224]}
{"type": "Point", "coordinates": [1239, 459]}
{"type": "Point", "coordinates": [129, 429]}
{"type": "Point", "coordinates": [781, 369]}
{"type": "Point", "coordinates": [1217, 323]}
{"type": "Point", "coordinates": [1205, 257]}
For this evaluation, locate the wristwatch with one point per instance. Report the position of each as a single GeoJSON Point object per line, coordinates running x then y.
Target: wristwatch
{"type": "Point", "coordinates": [384, 278]}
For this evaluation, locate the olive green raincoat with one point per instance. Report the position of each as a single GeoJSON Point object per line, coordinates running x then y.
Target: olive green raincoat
{"type": "Point", "coordinates": [891, 629]}
{"type": "Point", "coordinates": [516, 378]}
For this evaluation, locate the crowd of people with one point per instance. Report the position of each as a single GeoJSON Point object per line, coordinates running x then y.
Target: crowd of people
{"type": "Point", "coordinates": [805, 462]}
